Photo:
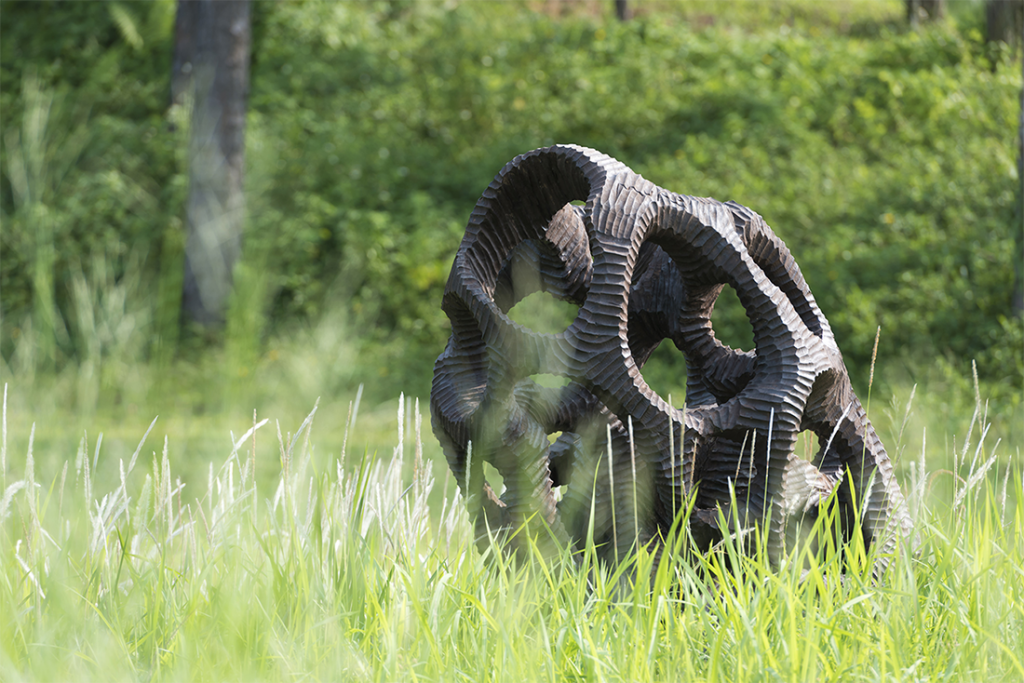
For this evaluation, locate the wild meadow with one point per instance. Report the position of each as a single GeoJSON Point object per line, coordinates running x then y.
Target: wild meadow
{"type": "Point", "coordinates": [360, 564]}
{"type": "Point", "coordinates": [267, 501]}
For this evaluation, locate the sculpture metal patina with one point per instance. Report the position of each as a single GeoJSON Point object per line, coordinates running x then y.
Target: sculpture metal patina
{"type": "Point", "coordinates": [644, 265]}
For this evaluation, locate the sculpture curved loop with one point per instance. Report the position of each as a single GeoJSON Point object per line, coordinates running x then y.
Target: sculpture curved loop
{"type": "Point", "coordinates": [644, 265]}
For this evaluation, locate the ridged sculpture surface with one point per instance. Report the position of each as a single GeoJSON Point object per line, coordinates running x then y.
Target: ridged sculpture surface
{"type": "Point", "coordinates": [644, 265]}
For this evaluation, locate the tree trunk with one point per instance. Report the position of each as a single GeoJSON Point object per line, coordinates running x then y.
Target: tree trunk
{"type": "Point", "coordinates": [1017, 305]}
{"type": "Point", "coordinates": [913, 14]}
{"type": "Point", "coordinates": [622, 10]}
{"type": "Point", "coordinates": [928, 10]}
{"type": "Point", "coordinates": [935, 9]}
{"type": "Point", "coordinates": [1005, 21]}
{"type": "Point", "coordinates": [210, 71]}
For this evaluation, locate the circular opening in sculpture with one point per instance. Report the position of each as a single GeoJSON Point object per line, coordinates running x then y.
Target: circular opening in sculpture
{"type": "Point", "coordinates": [559, 468]}
{"type": "Point", "coordinates": [551, 381]}
{"type": "Point", "coordinates": [494, 479]}
{"type": "Point", "coordinates": [543, 312]}
{"type": "Point", "coordinates": [655, 299]}
{"type": "Point", "coordinates": [730, 322]}
{"type": "Point", "coordinates": [807, 445]}
{"type": "Point", "coordinates": [543, 282]}
{"type": "Point", "coordinates": [665, 373]}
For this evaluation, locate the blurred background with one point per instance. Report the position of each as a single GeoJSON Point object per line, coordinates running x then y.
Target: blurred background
{"type": "Point", "coordinates": [210, 209]}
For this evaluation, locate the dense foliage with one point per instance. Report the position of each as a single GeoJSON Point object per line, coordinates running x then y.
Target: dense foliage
{"type": "Point", "coordinates": [885, 158]}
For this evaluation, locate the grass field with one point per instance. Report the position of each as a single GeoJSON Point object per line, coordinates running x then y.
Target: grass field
{"type": "Point", "coordinates": [353, 563]}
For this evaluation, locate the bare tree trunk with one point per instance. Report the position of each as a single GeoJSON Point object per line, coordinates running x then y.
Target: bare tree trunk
{"type": "Point", "coordinates": [185, 22]}
{"type": "Point", "coordinates": [1005, 21]}
{"type": "Point", "coordinates": [210, 71]}
{"type": "Point", "coordinates": [928, 10]}
{"type": "Point", "coordinates": [1017, 305]}
{"type": "Point", "coordinates": [622, 10]}
{"type": "Point", "coordinates": [913, 13]}
{"type": "Point", "coordinates": [935, 9]}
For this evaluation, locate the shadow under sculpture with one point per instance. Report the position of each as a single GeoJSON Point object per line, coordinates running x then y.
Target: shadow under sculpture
{"type": "Point", "coordinates": [644, 265]}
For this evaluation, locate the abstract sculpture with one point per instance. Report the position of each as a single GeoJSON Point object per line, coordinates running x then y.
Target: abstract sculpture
{"type": "Point", "coordinates": [644, 265]}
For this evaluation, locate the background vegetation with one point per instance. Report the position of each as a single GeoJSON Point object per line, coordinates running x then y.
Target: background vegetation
{"type": "Point", "coordinates": [884, 157]}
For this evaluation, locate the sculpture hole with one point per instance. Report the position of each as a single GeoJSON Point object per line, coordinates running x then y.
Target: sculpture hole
{"type": "Point", "coordinates": [730, 322]}
{"type": "Point", "coordinates": [559, 490]}
{"type": "Point", "coordinates": [807, 445]}
{"type": "Point", "coordinates": [551, 381]}
{"type": "Point", "coordinates": [542, 312]}
{"type": "Point", "coordinates": [665, 372]}
{"type": "Point", "coordinates": [494, 478]}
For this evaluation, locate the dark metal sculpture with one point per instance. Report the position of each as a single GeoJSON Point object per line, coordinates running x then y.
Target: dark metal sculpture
{"type": "Point", "coordinates": [644, 265]}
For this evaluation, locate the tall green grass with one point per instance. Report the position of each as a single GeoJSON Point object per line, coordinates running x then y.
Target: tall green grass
{"type": "Point", "coordinates": [362, 566]}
